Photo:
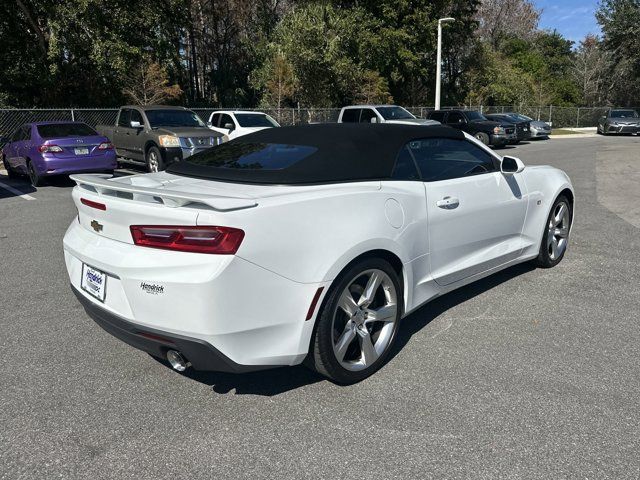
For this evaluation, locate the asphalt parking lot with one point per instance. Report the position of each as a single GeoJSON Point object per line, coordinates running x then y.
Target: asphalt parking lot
{"type": "Point", "coordinates": [526, 374]}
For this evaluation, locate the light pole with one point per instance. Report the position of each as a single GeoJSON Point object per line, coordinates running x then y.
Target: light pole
{"type": "Point", "coordinates": [439, 61]}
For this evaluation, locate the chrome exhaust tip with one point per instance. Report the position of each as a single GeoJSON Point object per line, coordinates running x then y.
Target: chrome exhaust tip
{"type": "Point", "coordinates": [177, 361]}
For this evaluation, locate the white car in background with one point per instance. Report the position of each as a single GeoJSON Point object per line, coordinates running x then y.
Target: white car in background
{"type": "Point", "coordinates": [308, 242]}
{"type": "Point", "coordinates": [235, 124]}
{"type": "Point", "coordinates": [381, 114]}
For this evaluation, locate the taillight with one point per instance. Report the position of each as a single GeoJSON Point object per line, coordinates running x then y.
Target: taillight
{"type": "Point", "coordinates": [105, 146]}
{"type": "Point", "coordinates": [201, 239]}
{"type": "Point", "coordinates": [49, 149]}
{"type": "Point", "coordinates": [92, 204]}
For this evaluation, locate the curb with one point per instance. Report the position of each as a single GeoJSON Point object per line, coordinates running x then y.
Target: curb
{"type": "Point", "coordinates": [575, 135]}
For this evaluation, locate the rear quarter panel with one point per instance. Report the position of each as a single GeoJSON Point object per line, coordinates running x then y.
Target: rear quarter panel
{"type": "Point", "coordinates": [309, 237]}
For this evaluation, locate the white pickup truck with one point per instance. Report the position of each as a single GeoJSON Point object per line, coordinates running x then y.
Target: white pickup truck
{"type": "Point", "coordinates": [235, 124]}
{"type": "Point", "coordinates": [380, 114]}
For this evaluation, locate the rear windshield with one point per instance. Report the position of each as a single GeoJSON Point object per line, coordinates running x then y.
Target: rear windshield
{"type": "Point", "coordinates": [623, 114]}
{"type": "Point", "coordinates": [252, 156]}
{"type": "Point", "coordinates": [255, 120]}
{"type": "Point", "coordinates": [59, 130]}
{"type": "Point", "coordinates": [173, 118]}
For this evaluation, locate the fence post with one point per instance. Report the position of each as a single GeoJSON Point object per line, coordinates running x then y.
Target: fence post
{"type": "Point", "coordinates": [550, 112]}
{"type": "Point", "coordinates": [578, 118]}
{"type": "Point", "coordinates": [293, 116]}
{"type": "Point", "coordinates": [73, 116]}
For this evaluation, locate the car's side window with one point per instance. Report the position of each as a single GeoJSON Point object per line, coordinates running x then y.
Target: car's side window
{"type": "Point", "coordinates": [455, 118]}
{"type": "Point", "coordinates": [123, 119]}
{"type": "Point", "coordinates": [17, 135]}
{"type": "Point", "coordinates": [405, 167]}
{"type": "Point", "coordinates": [136, 116]}
{"type": "Point", "coordinates": [446, 158]}
{"type": "Point", "coordinates": [26, 132]}
{"type": "Point", "coordinates": [437, 116]}
{"type": "Point", "coordinates": [351, 115]}
{"type": "Point", "coordinates": [215, 119]}
{"type": "Point", "coordinates": [366, 115]}
{"type": "Point", "coordinates": [225, 120]}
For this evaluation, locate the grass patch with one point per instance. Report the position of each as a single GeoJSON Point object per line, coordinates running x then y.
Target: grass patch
{"type": "Point", "coordinates": [562, 131]}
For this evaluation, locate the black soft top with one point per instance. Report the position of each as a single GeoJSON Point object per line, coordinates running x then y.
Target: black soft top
{"type": "Point", "coordinates": [335, 153]}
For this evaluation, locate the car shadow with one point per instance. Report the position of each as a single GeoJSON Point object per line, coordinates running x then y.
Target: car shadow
{"type": "Point", "coordinates": [17, 186]}
{"type": "Point", "coordinates": [280, 380]}
{"type": "Point", "coordinates": [419, 319]}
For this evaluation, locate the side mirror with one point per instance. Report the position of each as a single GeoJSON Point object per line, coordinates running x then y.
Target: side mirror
{"type": "Point", "coordinates": [135, 124]}
{"type": "Point", "coordinates": [373, 120]}
{"type": "Point", "coordinates": [511, 165]}
{"type": "Point", "coordinates": [229, 126]}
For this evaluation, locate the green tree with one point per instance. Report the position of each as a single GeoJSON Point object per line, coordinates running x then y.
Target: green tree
{"type": "Point", "coordinates": [620, 22]}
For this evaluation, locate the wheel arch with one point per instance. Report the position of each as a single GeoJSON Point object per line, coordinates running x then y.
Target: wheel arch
{"type": "Point", "coordinates": [147, 146]}
{"type": "Point", "coordinates": [393, 257]}
{"type": "Point", "coordinates": [382, 253]}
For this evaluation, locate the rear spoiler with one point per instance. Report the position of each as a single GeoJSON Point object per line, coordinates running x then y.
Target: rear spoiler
{"type": "Point", "coordinates": [104, 185]}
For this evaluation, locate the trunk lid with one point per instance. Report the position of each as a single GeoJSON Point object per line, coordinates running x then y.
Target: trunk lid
{"type": "Point", "coordinates": [109, 206]}
{"type": "Point", "coordinates": [76, 146]}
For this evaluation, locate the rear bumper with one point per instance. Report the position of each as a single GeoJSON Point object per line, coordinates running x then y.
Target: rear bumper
{"type": "Point", "coordinates": [250, 315]}
{"type": "Point", "coordinates": [201, 354]}
{"type": "Point", "coordinates": [85, 164]}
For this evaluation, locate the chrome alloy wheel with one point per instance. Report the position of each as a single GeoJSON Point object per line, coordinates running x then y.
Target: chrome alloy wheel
{"type": "Point", "coordinates": [153, 161]}
{"type": "Point", "coordinates": [364, 320]}
{"type": "Point", "coordinates": [558, 231]}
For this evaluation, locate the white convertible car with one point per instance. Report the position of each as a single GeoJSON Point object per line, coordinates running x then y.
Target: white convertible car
{"type": "Point", "coordinates": [305, 243]}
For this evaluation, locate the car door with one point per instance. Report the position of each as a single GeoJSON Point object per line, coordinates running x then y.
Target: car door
{"type": "Point", "coordinates": [367, 115]}
{"type": "Point", "coordinates": [350, 115]}
{"type": "Point", "coordinates": [134, 144]}
{"type": "Point", "coordinates": [22, 148]}
{"type": "Point", "coordinates": [228, 126]}
{"type": "Point", "coordinates": [120, 133]}
{"type": "Point", "coordinates": [475, 213]}
{"type": "Point", "coordinates": [12, 149]}
{"type": "Point", "coordinates": [457, 120]}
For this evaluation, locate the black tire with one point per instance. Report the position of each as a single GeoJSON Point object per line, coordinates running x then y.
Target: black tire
{"type": "Point", "coordinates": [11, 173]}
{"type": "Point", "coordinates": [322, 357]}
{"type": "Point", "coordinates": [483, 137]}
{"type": "Point", "coordinates": [34, 177]}
{"type": "Point", "coordinates": [154, 160]}
{"type": "Point", "coordinates": [545, 258]}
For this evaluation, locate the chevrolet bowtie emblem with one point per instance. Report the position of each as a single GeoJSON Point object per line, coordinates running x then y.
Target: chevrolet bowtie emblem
{"type": "Point", "coordinates": [96, 226]}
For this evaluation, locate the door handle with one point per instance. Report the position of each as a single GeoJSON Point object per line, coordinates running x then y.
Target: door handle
{"type": "Point", "coordinates": [448, 203]}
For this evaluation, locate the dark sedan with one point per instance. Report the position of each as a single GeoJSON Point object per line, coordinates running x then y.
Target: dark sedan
{"type": "Point", "coordinates": [619, 121]}
{"type": "Point", "coordinates": [523, 127]}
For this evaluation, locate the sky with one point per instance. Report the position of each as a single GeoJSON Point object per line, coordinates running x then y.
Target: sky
{"type": "Point", "coordinates": [572, 18]}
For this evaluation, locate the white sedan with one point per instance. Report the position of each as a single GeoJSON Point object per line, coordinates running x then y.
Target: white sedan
{"type": "Point", "coordinates": [305, 243]}
{"type": "Point", "coordinates": [235, 124]}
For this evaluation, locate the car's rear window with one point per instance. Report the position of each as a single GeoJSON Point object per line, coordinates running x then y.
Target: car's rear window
{"type": "Point", "coordinates": [253, 156]}
{"type": "Point", "coordinates": [59, 130]}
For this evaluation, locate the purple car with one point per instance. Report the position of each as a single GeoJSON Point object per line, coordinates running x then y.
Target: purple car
{"type": "Point", "coordinates": [42, 149]}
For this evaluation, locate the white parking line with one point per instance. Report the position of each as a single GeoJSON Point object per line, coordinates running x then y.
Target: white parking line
{"type": "Point", "coordinates": [15, 191]}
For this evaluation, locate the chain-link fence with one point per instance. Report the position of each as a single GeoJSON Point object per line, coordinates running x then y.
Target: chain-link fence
{"type": "Point", "coordinates": [566, 117]}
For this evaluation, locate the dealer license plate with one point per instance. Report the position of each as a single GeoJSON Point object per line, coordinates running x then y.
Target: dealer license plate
{"type": "Point", "coordinates": [81, 151]}
{"type": "Point", "coordinates": [94, 282]}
